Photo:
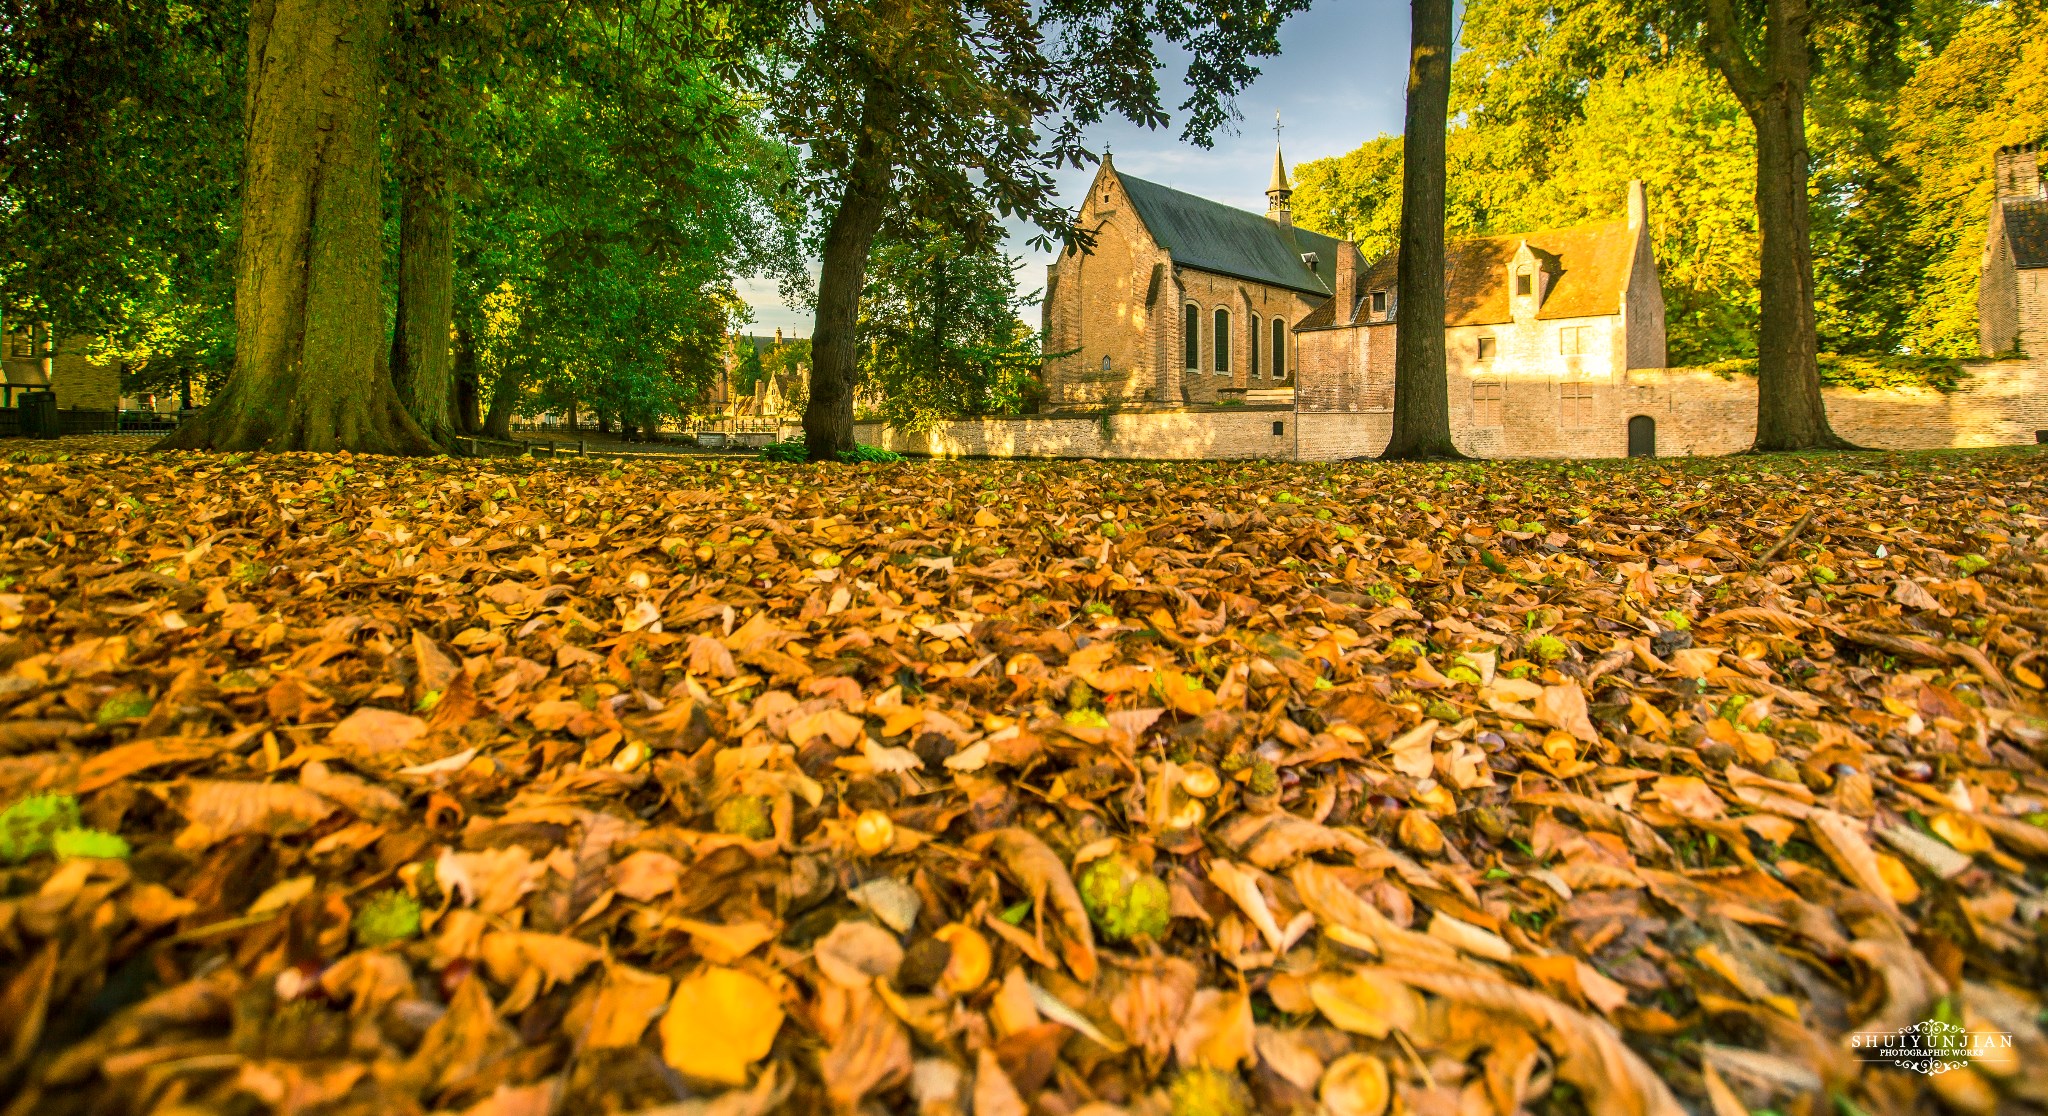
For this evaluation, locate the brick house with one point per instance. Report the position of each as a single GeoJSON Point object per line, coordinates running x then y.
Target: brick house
{"type": "Point", "coordinates": [2012, 286]}
{"type": "Point", "coordinates": [29, 362]}
{"type": "Point", "coordinates": [1179, 299]}
{"type": "Point", "coordinates": [1540, 330]}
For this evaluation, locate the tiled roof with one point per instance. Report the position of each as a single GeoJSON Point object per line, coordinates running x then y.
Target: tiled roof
{"type": "Point", "coordinates": [1211, 236]}
{"type": "Point", "coordinates": [1588, 265]}
{"type": "Point", "coordinates": [2026, 231]}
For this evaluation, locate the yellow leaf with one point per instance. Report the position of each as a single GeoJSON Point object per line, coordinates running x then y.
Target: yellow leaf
{"type": "Point", "coordinates": [626, 1000]}
{"type": "Point", "coordinates": [1965, 834]}
{"type": "Point", "coordinates": [720, 1022]}
{"type": "Point", "coordinates": [1365, 1003]}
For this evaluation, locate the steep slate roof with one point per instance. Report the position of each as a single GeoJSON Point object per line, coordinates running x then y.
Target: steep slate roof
{"type": "Point", "coordinates": [1211, 236]}
{"type": "Point", "coordinates": [2026, 230]}
{"type": "Point", "coordinates": [1588, 265]}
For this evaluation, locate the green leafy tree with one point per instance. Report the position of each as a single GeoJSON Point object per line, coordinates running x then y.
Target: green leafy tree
{"type": "Point", "coordinates": [939, 332]}
{"type": "Point", "coordinates": [122, 131]}
{"type": "Point", "coordinates": [1982, 90]}
{"type": "Point", "coordinates": [973, 103]}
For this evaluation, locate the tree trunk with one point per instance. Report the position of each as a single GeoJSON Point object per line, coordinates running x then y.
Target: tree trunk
{"type": "Point", "coordinates": [309, 368]}
{"type": "Point", "coordinates": [498, 420]}
{"type": "Point", "coordinates": [1772, 91]}
{"type": "Point", "coordinates": [1422, 397]}
{"type": "Point", "coordinates": [835, 356]}
{"type": "Point", "coordinates": [468, 385]}
{"type": "Point", "coordinates": [422, 356]}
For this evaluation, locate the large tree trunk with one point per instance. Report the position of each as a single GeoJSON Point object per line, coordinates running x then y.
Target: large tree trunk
{"type": "Point", "coordinates": [1422, 399]}
{"type": "Point", "coordinates": [835, 356]}
{"type": "Point", "coordinates": [422, 353]}
{"type": "Point", "coordinates": [1772, 91]}
{"type": "Point", "coordinates": [309, 323]}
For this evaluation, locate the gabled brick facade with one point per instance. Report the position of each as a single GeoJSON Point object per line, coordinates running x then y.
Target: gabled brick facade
{"type": "Point", "coordinates": [2012, 285]}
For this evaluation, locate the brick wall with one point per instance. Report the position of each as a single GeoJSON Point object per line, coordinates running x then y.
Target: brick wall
{"type": "Point", "coordinates": [1697, 412]}
{"type": "Point", "coordinates": [81, 384]}
{"type": "Point", "coordinates": [1998, 326]}
{"type": "Point", "coordinates": [2032, 324]}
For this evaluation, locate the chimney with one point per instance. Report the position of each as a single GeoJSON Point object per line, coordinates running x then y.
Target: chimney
{"type": "Point", "coordinates": [1638, 205]}
{"type": "Point", "coordinates": [2017, 170]}
{"type": "Point", "coordinates": [1347, 283]}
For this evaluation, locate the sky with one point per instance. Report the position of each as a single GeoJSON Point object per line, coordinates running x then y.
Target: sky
{"type": "Point", "coordinates": [1336, 83]}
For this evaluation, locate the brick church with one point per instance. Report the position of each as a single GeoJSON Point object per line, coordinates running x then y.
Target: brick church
{"type": "Point", "coordinates": [1182, 300]}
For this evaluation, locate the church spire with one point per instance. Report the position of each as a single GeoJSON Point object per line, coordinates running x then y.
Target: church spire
{"type": "Point", "coordinates": [1277, 189]}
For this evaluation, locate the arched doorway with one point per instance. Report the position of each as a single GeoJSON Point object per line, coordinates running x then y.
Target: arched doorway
{"type": "Point", "coordinates": [1642, 436]}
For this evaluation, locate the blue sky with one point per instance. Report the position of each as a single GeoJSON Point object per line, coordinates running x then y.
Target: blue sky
{"type": "Point", "coordinates": [1336, 83]}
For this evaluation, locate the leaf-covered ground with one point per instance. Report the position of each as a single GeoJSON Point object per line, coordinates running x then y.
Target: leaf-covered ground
{"type": "Point", "coordinates": [343, 785]}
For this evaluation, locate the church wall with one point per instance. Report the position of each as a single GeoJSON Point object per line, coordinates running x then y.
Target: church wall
{"type": "Point", "coordinates": [1242, 298]}
{"type": "Point", "coordinates": [1097, 303]}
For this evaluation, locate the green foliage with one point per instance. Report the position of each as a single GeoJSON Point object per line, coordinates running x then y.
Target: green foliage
{"type": "Point", "coordinates": [939, 330]}
{"type": "Point", "coordinates": [796, 452]}
{"type": "Point", "coordinates": [388, 918]}
{"type": "Point", "coordinates": [864, 454]}
{"type": "Point", "coordinates": [73, 844]}
{"type": "Point", "coordinates": [1556, 108]}
{"type": "Point", "coordinates": [1548, 648]}
{"type": "Point", "coordinates": [1124, 900]}
{"type": "Point", "coordinates": [791, 452]}
{"type": "Point", "coordinates": [27, 827]}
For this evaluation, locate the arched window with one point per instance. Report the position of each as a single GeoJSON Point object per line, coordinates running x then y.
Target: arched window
{"type": "Point", "coordinates": [1279, 349]}
{"type": "Point", "coordinates": [1222, 342]}
{"type": "Point", "coordinates": [1191, 336]}
{"type": "Point", "coordinates": [1252, 331]}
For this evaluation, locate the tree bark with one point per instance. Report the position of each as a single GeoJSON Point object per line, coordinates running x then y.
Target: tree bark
{"type": "Point", "coordinates": [1790, 414]}
{"type": "Point", "coordinates": [422, 353]}
{"type": "Point", "coordinates": [1422, 395]}
{"type": "Point", "coordinates": [498, 420]}
{"type": "Point", "coordinates": [835, 356]}
{"type": "Point", "coordinates": [468, 385]}
{"type": "Point", "coordinates": [310, 368]}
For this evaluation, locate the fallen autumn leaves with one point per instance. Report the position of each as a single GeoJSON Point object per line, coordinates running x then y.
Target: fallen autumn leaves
{"type": "Point", "coordinates": [366, 786]}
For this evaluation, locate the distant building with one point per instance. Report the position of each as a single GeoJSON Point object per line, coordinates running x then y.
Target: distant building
{"type": "Point", "coordinates": [1179, 299]}
{"type": "Point", "coordinates": [31, 363]}
{"type": "Point", "coordinates": [2012, 286]}
{"type": "Point", "coordinates": [1538, 328]}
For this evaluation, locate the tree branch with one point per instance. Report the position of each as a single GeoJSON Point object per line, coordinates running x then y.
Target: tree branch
{"type": "Point", "coordinates": [1727, 55]}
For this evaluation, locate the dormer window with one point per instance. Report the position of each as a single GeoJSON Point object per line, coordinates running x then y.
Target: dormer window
{"type": "Point", "coordinates": [1379, 304]}
{"type": "Point", "coordinates": [1308, 260]}
{"type": "Point", "coordinates": [1525, 283]}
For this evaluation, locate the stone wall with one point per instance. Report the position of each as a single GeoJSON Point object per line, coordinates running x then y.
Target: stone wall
{"type": "Point", "coordinates": [1181, 434]}
{"type": "Point", "coordinates": [1694, 412]}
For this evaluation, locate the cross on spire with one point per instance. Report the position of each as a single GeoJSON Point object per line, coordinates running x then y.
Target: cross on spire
{"type": "Point", "coordinates": [1276, 127]}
